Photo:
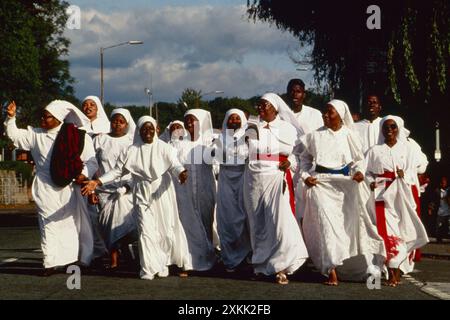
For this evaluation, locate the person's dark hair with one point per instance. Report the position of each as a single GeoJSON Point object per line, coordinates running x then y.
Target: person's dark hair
{"type": "Point", "coordinates": [374, 94]}
{"type": "Point", "coordinates": [294, 82]}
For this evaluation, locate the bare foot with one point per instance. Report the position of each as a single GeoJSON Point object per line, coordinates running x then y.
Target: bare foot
{"type": "Point", "coordinates": [183, 274]}
{"type": "Point", "coordinates": [282, 278]}
{"type": "Point", "coordinates": [114, 259]}
{"type": "Point", "coordinates": [392, 282]}
{"type": "Point", "coordinates": [332, 279]}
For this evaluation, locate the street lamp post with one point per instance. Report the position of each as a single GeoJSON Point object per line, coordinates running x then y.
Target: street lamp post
{"type": "Point", "coordinates": [205, 94]}
{"type": "Point", "coordinates": [150, 102]}
{"type": "Point", "coordinates": [102, 50]}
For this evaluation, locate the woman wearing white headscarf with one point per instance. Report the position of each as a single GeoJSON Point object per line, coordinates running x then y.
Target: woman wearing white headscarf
{"type": "Point", "coordinates": [197, 198]}
{"type": "Point", "coordinates": [93, 109]}
{"type": "Point", "coordinates": [392, 171]}
{"type": "Point", "coordinates": [277, 243]}
{"type": "Point", "coordinates": [116, 203]}
{"type": "Point", "coordinates": [66, 236]}
{"type": "Point", "coordinates": [232, 225]}
{"type": "Point", "coordinates": [173, 132]}
{"type": "Point", "coordinates": [340, 235]}
{"type": "Point", "coordinates": [162, 241]}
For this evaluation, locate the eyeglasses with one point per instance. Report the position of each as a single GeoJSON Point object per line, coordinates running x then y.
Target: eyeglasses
{"type": "Point", "coordinates": [263, 106]}
{"type": "Point", "coordinates": [391, 126]}
{"type": "Point", "coordinates": [45, 117]}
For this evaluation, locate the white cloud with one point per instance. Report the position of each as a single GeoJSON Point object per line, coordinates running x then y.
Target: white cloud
{"type": "Point", "coordinates": [204, 47]}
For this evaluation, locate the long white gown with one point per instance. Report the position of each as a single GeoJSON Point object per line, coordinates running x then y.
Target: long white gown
{"type": "Point", "coordinates": [116, 210]}
{"type": "Point", "coordinates": [310, 120]}
{"type": "Point", "coordinates": [339, 232]}
{"type": "Point", "coordinates": [276, 239]}
{"type": "Point", "coordinates": [196, 202]}
{"type": "Point", "coordinates": [232, 220]}
{"type": "Point", "coordinates": [66, 233]}
{"type": "Point", "coordinates": [162, 241]}
{"type": "Point", "coordinates": [368, 133]}
{"type": "Point", "coordinates": [395, 209]}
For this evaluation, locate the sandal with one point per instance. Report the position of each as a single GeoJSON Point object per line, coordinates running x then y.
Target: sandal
{"type": "Point", "coordinates": [282, 278]}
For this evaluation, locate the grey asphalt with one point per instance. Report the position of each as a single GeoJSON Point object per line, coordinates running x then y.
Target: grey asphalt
{"type": "Point", "coordinates": [21, 264]}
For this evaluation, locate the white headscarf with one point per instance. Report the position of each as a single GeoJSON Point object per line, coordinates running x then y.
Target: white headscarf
{"type": "Point", "coordinates": [344, 112]}
{"type": "Point", "coordinates": [204, 118]}
{"type": "Point", "coordinates": [241, 131]}
{"type": "Point", "coordinates": [127, 115]}
{"type": "Point", "coordinates": [101, 123]}
{"type": "Point", "coordinates": [142, 120]}
{"type": "Point", "coordinates": [284, 112]}
{"type": "Point", "coordinates": [166, 137]}
{"type": "Point", "coordinates": [64, 111]}
{"type": "Point", "coordinates": [148, 160]}
{"type": "Point", "coordinates": [403, 133]}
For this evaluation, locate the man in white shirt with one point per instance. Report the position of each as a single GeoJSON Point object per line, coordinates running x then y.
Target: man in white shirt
{"type": "Point", "coordinates": [369, 128]}
{"type": "Point", "coordinates": [310, 119]}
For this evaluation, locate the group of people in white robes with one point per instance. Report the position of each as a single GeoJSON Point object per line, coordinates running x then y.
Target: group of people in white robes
{"type": "Point", "coordinates": [292, 185]}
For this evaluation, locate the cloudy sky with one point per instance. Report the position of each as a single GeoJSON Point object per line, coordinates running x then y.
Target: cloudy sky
{"type": "Point", "coordinates": [207, 45]}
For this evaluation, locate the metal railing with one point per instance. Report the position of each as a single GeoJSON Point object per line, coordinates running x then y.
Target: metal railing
{"type": "Point", "coordinates": [13, 190]}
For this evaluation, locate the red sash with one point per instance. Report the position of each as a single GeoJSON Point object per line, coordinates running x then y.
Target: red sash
{"type": "Point", "coordinates": [288, 175]}
{"type": "Point", "coordinates": [415, 192]}
{"type": "Point", "coordinates": [390, 242]}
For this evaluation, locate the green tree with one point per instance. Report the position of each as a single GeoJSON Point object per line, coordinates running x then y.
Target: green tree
{"type": "Point", "coordinates": [406, 62]}
{"type": "Point", "coordinates": [32, 69]}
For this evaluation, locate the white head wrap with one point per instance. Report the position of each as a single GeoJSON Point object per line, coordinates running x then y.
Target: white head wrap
{"type": "Point", "coordinates": [64, 111]}
{"type": "Point", "coordinates": [204, 118]}
{"type": "Point", "coordinates": [127, 115]}
{"type": "Point", "coordinates": [344, 112]}
{"type": "Point", "coordinates": [241, 131]}
{"type": "Point", "coordinates": [166, 137]}
{"type": "Point", "coordinates": [403, 133]}
{"type": "Point", "coordinates": [101, 123]}
{"type": "Point", "coordinates": [142, 120]}
{"type": "Point", "coordinates": [284, 112]}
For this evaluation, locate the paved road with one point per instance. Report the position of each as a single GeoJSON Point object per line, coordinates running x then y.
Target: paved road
{"type": "Point", "coordinates": [21, 263]}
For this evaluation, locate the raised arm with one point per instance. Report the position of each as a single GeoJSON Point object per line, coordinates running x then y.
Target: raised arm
{"type": "Point", "coordinates": [22, 139]}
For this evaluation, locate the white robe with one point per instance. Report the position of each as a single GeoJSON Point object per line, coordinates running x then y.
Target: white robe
{"type": "Point", "coordinates": [66, 233]}
{"type": "Point", "coordinates": [232, 224]}
{"type": "Point", "coordinates": [339, 232]}
{"type": "Point", "coordinates": [276, 240]}
{"type": "Point", "coordinates": [116, 211]}
{"type": "Point", "coordinates": [403, 225]}
{"type": "Point", "coordinates": [162, 241]}
{"type": "Point", "coordinates": [310, 120]}
{"type": "Point", "coordinates": [368, 132]}
{"type": "Point", "coordinates": [196, 202]}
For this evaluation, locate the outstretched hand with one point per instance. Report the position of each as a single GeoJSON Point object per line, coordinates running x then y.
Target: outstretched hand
{"type": "Point", "coordinates": [183, 177]}
{"type": "Point", "coordinates": [11, 109]}
{"type": "Point", "coordinates": [89, 186]}
{"type": "Point", "coordinates": [284, 165]}
{"type": "Point", "coordinates": [358, 177]}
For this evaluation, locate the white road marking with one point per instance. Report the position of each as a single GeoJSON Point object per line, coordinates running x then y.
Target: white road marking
{"type": "Point", "coordinates": [9, 260]}
{"type": "Point", "coordinates": [440, 290]}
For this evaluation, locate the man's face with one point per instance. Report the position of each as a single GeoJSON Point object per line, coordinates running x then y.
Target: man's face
{"type": "Point", "coordinates": [373, 107]}
{"type": "Point", "coordinates": [296, 95]}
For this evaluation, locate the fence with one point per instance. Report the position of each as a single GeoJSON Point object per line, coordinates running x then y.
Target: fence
{"type": "Point", "coordinates": [12, 189]}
